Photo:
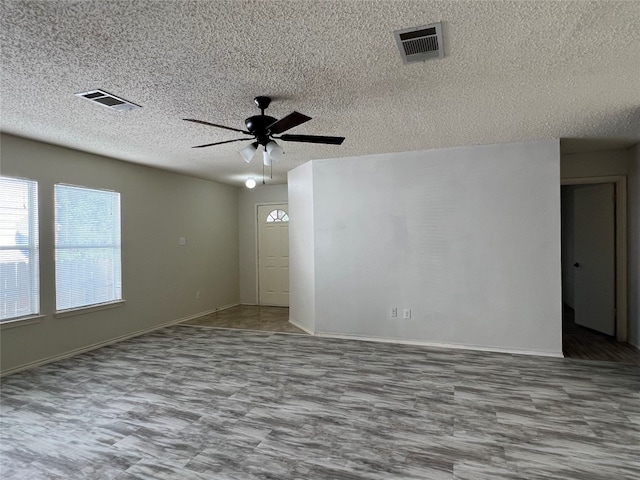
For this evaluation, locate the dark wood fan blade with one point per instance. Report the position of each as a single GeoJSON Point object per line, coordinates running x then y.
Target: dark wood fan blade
{"type": "Point", "coordinates": [285, 123]}
{"type": "Point", "coordinates": [220, 143]}
{"type": "Point", "coordinates": [216, 125]}
{"type": "Point", "coordinates": [313, 139]}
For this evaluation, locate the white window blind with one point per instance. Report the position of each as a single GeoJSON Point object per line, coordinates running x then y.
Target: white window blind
{"type": "Point", "coordinates": [88, 267]}
{"type": "Point", "coordinates": [19, 289]}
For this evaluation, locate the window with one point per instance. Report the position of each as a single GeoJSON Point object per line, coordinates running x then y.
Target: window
{"type": "Point", "coordinates": [19, 289]}
{"type": "Point", "coordinates": [277, 216]}
{"type": "Point", "coordinates": [88, 267]}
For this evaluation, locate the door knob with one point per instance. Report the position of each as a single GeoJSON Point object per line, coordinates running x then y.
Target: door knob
{"type": "Point", "coordinates": [576, 264]}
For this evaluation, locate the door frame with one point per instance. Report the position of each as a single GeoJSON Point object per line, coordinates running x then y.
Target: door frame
{"type": "Point", "coordinates": [257, 240]}
{"type": "Point", "coordinates": [620, 182]}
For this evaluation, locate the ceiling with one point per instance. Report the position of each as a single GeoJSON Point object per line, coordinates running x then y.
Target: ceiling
{"type": "Point", "coordinates": [512, 71]}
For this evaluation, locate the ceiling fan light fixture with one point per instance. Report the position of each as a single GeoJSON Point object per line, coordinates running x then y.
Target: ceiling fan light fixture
{"type": "Point", "coordinates": [266, 159]}
{"type": "Point", "coordinates": [250, 183]}
{"type": "Point", "coordinates": [275, 151]}
{"type": "Point", "coordinates": [249, 151]}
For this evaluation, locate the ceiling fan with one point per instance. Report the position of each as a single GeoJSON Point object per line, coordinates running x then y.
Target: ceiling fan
{"type": "Point", "coordinates": [263, 128]}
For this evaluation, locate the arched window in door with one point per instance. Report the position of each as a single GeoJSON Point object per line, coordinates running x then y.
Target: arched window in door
{"type": "Point", "coordinates": [277, 216]}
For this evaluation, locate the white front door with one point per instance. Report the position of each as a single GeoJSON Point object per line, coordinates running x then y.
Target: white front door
{"type": "Point", "coordinates": [594, 256]}
{"type": "Point", "coordinates": [273, 255]}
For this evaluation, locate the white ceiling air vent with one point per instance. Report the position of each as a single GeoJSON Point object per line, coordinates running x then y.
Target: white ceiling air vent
{"type": "Point", "coordinates": [107, 100]}
{"type": "Point", "coordinates": [418, 44]}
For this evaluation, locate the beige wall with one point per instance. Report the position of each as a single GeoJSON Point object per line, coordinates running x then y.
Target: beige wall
{"type": "Point", "coordinates": [160, 278]}
{"type": "Point", "coordinates": [593, 164]}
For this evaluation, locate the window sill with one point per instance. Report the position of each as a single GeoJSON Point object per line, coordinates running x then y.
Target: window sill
{"type": "Point", "coordinates": [88, 309]}
{"type": "Point", "coordinates": [21, 322]}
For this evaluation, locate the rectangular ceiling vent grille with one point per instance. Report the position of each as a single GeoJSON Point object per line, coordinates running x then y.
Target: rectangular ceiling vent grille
{"type": "Point", "coordinates": [107, 100]}
{"type": "Point", "coordinates": [419, 44]}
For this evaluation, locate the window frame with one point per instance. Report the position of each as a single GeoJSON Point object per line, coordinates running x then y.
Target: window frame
{"type": "Point", "coordinates": [277, 215]}
{"type": "Point", "coordinates": [33, 249]}
{"type": "Point", "coordinates": [88, 307]}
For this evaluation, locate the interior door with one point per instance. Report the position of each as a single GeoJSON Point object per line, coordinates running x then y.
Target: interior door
{"type": "Point", "coordinates": [273, 255]}
{"type": "Point", "coordinates": [594, 256]}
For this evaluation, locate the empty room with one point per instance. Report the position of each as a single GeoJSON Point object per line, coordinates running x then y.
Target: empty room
{"type": "Point", "coordinates": [335, 239]}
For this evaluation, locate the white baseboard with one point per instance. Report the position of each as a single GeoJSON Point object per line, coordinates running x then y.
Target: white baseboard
{"type": "Point", "coordinates": [266, 305]}
{"type": "Point", "coordinates": [437, 345]}
{"type": "Point", "coordinates": [218, 309]}
{"type": "Point", "coordinates": [121, 338]}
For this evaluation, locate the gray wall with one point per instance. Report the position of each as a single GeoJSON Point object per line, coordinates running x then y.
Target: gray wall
{"type": "Point", "coordinates": [160, 278]}
{"type": "Point", "coordinates": [594, 164]}
{"type": "Point", "coordinates": [467, 238]}
{"type": "Point", "coordinates": [249, 200]}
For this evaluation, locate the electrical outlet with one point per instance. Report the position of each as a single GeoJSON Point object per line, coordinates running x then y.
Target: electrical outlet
{"type": "Point", "coordinates": [198, 294]}
{"type": "Point", "coordinates": [394, 312]}
{"type": "Point", "coordinates": [406, 313]}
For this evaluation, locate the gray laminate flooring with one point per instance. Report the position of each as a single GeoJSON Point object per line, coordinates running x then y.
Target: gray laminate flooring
{"type": "Point", "coordinates": [582, 342]}
{"type": "Point", "coordinates": [204, 403]}
{"type": "Point", "coordinates": [249, 317]}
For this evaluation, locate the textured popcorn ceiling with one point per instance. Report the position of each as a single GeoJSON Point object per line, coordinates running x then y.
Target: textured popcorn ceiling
{"type": "Point", "coordinates": [513, 71]}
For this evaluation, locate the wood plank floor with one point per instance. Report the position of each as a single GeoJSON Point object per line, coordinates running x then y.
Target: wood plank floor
{"type": "Point", "coordinates": [249, 317]}
{"type": "Point", "coordinates": [584, 343]}
{"type": "Point", "coordinates": [577, 341]}
{"type": "Point", "coordinates": [190, 402]}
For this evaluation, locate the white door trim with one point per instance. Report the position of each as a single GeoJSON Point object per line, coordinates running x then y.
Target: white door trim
{"type": "Point", "coordinates": [256, 221]}
{"type": "Point", "coordinates": [620, 182]}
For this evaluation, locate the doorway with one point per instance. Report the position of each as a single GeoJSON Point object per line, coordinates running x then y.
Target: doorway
{"type": "Point", "coordinates": [594, 265]}
{"type": "Point", "coordinates": [273, 255]}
